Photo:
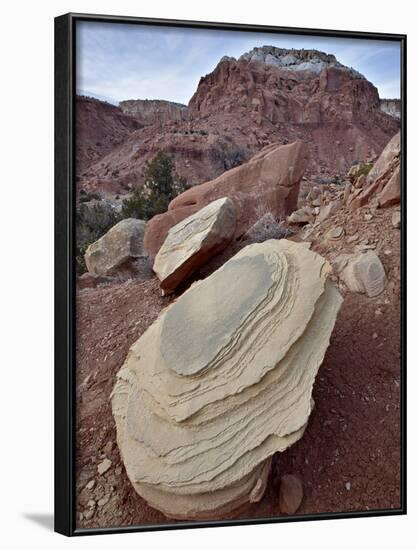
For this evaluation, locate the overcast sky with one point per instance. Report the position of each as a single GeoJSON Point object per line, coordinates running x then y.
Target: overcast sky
{"type": "Point", "coordinates": [124, 61]}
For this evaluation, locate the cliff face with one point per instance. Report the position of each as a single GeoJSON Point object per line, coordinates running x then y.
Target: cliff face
{"type": "Point", "coordinates": [286, 86]}
{"type": "Point", "coordinates": [100, 127]}
{"type": "Point", "coordinates": [154, 111]}
{"type": "Point", "coordinates": [391, 107]}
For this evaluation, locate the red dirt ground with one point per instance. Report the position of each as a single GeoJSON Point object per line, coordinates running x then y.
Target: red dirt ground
{"type": "Point", "coordinates": [349, 456]}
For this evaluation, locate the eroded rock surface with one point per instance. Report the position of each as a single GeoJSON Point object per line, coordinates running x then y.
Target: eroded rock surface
{"type": "Point", "coordinates": [223, 379]}
{"type": "Point", "coordinates": [193, 241]}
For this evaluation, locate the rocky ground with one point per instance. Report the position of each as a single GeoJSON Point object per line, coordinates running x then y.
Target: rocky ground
{"type": "Point", "coordinates": [349, 456]}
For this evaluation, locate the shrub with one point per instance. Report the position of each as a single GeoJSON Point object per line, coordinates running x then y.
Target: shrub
{"type": "Point", "coordinates": [161, 185]}
{"type": "Point", "coordinates": [364, 168]}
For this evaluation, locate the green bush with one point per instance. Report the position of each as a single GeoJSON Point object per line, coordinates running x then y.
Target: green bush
{"type": "Point", "coordinates": [161, 185]}
{"type": "Point", "coordinates": [364, 168]}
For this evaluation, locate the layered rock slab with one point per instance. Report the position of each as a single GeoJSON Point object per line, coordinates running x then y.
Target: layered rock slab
{"type": "Point", "coordinates": [269, 182]}
{"type": "Point", "coordinates": [383, 183]}
{"type": "Point", "coordinates": [223, 380]}
{"type": "Point", "coordinates": [122, 243]}
{"type": "Point", "coordinates": [193, 241]}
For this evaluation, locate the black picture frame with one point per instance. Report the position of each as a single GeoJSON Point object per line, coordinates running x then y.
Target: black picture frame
{"type": "Point", "coordinates": [65, 268]}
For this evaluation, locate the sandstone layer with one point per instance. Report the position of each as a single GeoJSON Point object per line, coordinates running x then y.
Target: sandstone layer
{"type": "Point", "coordinates": [269, 182]}
{"type": "Point", "coordinates": [193, 241]}
{"type": "Point", "coordinates": [121, 244]}
{"type": "Point", "coordinates": [223, 379]}
{"type": "Point", "coordinates": [154, 111]}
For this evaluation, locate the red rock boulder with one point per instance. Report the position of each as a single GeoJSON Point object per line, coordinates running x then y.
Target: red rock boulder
{"type": "Point", "coordinates": [269, 182]}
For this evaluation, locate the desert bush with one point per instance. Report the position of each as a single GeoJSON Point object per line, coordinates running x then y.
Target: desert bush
{"type": "Point", "coordinates": [267, 227]}
{"type": "Point", "coordinates": [161, 185]}
{"type": "Point", "coordinates": [364, 168]}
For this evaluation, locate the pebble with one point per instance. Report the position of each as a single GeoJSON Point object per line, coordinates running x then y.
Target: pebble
{"type": "Point", "coordinates": [88, 514]}
{"type": "Point", "coordinates": [396, 220]}
{"type": "Point", "coordinates": [375, 335]}
{"type": "Point", "coordinates": [103, 500]}
{"type": "Point", "coordinates": [91, 503]}
{"type": "Point", "coordinates": [104, 466]}
{"type": "Point", "coordinates": [90, 484]}
{"type": "Point", "coordinates": [352, 238]}
{"type": "Point", "coordinates": [368, 217]}
{"type": "Point", "coordinates": [348, 485]}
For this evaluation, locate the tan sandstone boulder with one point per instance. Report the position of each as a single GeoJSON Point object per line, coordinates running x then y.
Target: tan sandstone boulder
{"type": "Point", "coordinates": [223, 380]}
{"type": "Point", "coordinates": [194, 240]}
{"type": "Point", "coordinates": [121, 244]}
{"type": "Point", "coordinates": [362, 272]}
{"type": "Point", "coordinates": [269, 182]}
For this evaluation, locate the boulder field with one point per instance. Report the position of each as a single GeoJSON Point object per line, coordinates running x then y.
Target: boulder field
{"type": "Point", "coordinates": [203, 401]}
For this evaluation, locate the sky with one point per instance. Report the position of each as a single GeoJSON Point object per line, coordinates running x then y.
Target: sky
{"type": "Point", "coordinates": [118, 61]}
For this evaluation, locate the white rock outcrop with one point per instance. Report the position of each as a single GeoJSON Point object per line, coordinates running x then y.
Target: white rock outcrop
{"type": "Point", "coordinates": [223, 379]}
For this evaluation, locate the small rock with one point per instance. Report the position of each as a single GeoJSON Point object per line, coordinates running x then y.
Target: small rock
{"type": "Point", "coordinates": [359, 183]}
{"type": "Point", "coordinates": [335, 234]}
{"type": "Point", "coordinates": [103, 501]}
{"type": "Point", "coordinates": [108, 447]}
{"type": "Point", "coordinates": [290, 494]}
{"type": "Point", "coordinates": [352, 238]}
{"type": "Point", "coordinates": [104, 466]}
{"type": "Point", "coordinates": [90, 484]}
{"type": "Point", "coordinates": [387, 252]}
{"type": "Point", "coordinates": [396, 220]}
{"type": "Point", "coordinates": [368, 217]}
{"type": "Point", "coordinates": [301, 216]}
{"type": "Point", "coordinates": [118, 470]}
{"type": "Point", "coordinates": [88, 514]}
{"type": "Point", "coordinates": [348, 485]}
{"type": "Point", "coordinates": [346, 192]}
{"type": "Point", "coordinates": [91, 503]}
{"type": "Point", "coordinates": [375, 335]}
